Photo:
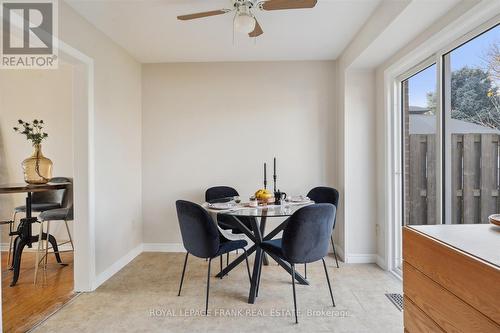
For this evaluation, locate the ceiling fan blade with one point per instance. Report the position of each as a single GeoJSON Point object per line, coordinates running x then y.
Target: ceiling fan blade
{"type": "Point", "coordinates": [202, 14]}
{"type": "Point", "coordinates": [287, 4]}
{"type": "Point", "coordinates": [257, 31]}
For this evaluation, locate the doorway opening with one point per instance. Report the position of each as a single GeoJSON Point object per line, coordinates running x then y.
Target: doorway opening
{"type": "Point", "coordinates": [63, 98]}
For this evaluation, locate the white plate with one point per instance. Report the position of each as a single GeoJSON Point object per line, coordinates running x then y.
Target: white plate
{"type": "Point", "coordinates": [298, 199]}
{"type": "Point", "coordinates": [221, 205]}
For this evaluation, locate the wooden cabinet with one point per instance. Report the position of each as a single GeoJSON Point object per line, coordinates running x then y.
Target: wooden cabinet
{"type": "Point", "coordinates": [451, 278]}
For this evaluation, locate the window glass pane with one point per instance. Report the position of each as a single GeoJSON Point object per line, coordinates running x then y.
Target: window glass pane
{"type": "Point", "coordinates": [473, 129]}
{"type": "Point", "coordinates": [419, 128]}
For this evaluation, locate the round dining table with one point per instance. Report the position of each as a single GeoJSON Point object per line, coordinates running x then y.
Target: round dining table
{"type": "Point", "coordinates": [257, 234]}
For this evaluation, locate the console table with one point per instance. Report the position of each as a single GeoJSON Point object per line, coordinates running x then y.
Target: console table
{"type": "Point", "coordinates": [451, 278]}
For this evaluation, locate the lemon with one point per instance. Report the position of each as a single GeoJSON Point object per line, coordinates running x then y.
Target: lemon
{"type": "Point", "coordinates": [263, 194]}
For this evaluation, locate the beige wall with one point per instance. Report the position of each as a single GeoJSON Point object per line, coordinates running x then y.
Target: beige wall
{"type": "Point", "coordinates": [117, 141]}
{"type": "Point", "coordinates": [30, 94]}
{"type": "Point", "coordinates": [361, 160]}
{"type": "Point", "coordinates": [117, 136]}
{"type": "Point", "coordinates": [216, 124]}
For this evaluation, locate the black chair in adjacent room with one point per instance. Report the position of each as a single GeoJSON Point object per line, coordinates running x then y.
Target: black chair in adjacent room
{"type": "Point", "coordinates": [63, 213]}
{"type": "Point", "coordinates": [202, 239]}
{"type": "Point", "coordinates": [305, 240]}
{"type": "Point", "coordinates": [226, 222]}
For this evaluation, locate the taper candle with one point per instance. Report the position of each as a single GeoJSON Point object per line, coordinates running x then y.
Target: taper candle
{"type": "Point", "coordinates": [274, 175]}
{"type": "Point", "coordinates": [265, 174]}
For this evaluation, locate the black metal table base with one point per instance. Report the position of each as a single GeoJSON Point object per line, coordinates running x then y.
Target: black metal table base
{"type": "Point", "coordinates": [256, 236]}
{"type": "Point", "coordinates": [23, 233]}
{"type": "Point", "coordinates": [25, 238]}
{"type": "Point", "coordinates": [19, 244]}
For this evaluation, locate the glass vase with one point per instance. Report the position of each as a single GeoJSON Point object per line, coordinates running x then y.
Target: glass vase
{"type": "Point", "coordinates": [37, 168]}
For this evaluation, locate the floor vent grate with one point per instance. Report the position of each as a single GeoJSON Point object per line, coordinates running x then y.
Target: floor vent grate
{"type": "Point", "coordinates": [397, 300]}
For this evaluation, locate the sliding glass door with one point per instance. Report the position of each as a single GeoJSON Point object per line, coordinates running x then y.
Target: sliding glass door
{"type": "Point", "coordinates": [472, 129]}
{"type": "Point", "coordinates": [419, 144]}
{"type": "Point", "coordinates": [418, 150]}
{"type": "Point", "coordinates": [450, 136]}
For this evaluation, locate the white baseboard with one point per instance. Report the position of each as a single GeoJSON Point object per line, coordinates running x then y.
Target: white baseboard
{"type": "Point", "coordinates": [117, 266]}
{"type": "Point", "coordinates": [179, 247]}
{"type": "Point", "coordinates": [381, 263]}
{"type": "Point", "coordinates": [164, 247]}
{"type": "Point", "coordinates": [368, 258]}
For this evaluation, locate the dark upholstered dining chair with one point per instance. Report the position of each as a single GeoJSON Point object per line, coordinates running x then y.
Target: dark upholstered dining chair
{"type": "Point", "coordinates": [226, 222]}
{"type": "Point", "coordinates": [63, 213]}
{"type": "Point", "coordinates": [322, 194]}
{"type": "Point", "coordinates": [305, 240]}
{"type": "Point", "coordinates": [202, 239]}
{"type": "Point", "coordinates": [216, 193]}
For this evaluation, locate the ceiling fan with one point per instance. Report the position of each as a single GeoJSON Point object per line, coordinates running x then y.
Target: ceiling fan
{"type": "Point", "coordinates": [244, 19]}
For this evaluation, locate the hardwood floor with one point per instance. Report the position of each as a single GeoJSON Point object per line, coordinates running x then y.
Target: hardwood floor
{"type": "Point", "coordinates": [26, 304]}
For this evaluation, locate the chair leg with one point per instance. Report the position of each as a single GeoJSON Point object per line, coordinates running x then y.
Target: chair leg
{"type": "Point", "coordinates": [11, 238]}
{"type": "Point", "coordinates": [69, 235]}
{"type": "Point", "coordinates": [37, 258]}
{"type": "Point", "coordinates": [328, 280]}
{"type": "Point", "coordinates": [294, 296]}
{"type": "Point", "coordinates": [305, 271]}
{"type": "Point", "coordinates": [208, 286]}
{"type": "Point", "coordinates": [248, 266]}
{"type": "Point", "coordinates": [47, 246]}
{"type": "Point", "coordinates": [221, 266]}
{"type": "Point", "coordinates": [258, 280]}
{"type": "Point", "coordinates": [334, 252]}
{"type": "Point", "coordinates": [227, 259]}
{"type": "Point", "coordinates": [183, 271]}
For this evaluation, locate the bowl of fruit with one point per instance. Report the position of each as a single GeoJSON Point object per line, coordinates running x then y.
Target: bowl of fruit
{"type": "Point", "coordinates": [264, 196]}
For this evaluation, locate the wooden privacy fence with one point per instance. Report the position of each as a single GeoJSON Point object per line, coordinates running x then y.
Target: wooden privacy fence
{"type": "Point", "coordinates": [474, 178]}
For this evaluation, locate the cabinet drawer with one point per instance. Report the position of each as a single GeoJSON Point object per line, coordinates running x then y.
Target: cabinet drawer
{"type": "Point", "coordinates": [445, 309]}
{"type": "Point", "coordinates": [470, 279]}
{"type": "Point", "coordinates": [416, 321]}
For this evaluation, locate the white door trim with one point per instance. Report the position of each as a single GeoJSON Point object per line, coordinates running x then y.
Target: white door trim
{"type": "Point", "coordinates": [84, 166]}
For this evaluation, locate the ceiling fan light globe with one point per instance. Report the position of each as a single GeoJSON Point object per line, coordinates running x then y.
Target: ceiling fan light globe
{"type": "Point", "coordinates": [244, 23]}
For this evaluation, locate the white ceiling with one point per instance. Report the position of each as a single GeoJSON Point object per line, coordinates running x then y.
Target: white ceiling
{"type": "Point", "coordinates": [149, 30]}
{"type": "Point", "coordinates": [398, 33]}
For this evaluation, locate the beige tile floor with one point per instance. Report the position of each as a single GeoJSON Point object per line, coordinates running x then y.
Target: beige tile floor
{"type": "Point", "coordinates": [142, 297]}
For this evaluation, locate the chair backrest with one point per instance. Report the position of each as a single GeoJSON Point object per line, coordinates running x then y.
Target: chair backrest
{"type": "Point", "coordinates": [199, 232]}
{"type": "Point", "coordinates": [55, 196]}
{"type": "Point", "coordinates": [67, 199]}
{"type": "Point", "coordinates": [306, 236]}
{"type": "Point", "coordinates": [220, 192]}
{"type": "Point", "coordinates": [323, 194]}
